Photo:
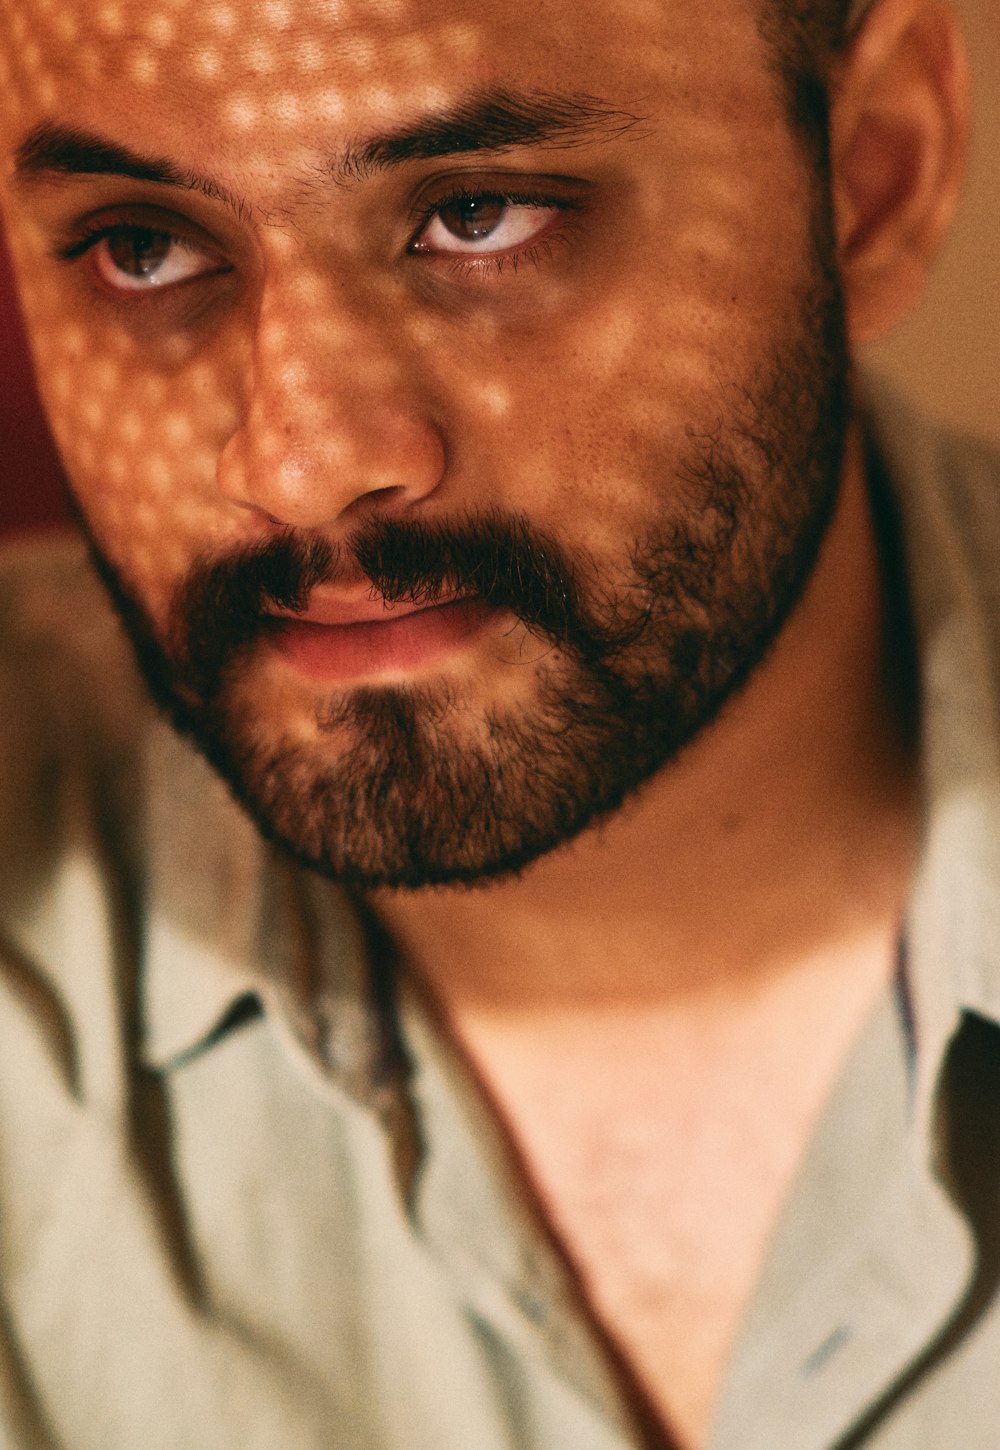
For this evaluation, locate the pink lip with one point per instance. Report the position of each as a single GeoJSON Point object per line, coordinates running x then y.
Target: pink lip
{"type": "Point", "coordinates": [336, 639]}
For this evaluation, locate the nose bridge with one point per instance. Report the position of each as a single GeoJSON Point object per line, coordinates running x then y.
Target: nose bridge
{"type": "Point", "coordinates": [335, 411]}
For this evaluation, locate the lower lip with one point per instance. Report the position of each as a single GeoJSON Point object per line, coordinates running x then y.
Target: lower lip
{"type": "Point", "coordinates": [351, 651]}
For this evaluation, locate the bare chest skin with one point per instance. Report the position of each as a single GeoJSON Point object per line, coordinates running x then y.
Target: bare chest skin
{"type": "Point", "coordinates": [662, 1146]}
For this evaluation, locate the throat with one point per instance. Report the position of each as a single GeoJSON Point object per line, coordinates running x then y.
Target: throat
{"type": "Point", "coordinates": [661, 1146]}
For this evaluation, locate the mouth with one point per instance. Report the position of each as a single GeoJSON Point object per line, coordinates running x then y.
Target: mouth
{"type": "Point", "coordinates": [339, 638]}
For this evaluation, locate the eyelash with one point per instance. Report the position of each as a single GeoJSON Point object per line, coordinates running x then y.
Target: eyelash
{"type": "Point", "coordinates": [72, 251]}
{"type": "Point", "coordinates": [460, 264]}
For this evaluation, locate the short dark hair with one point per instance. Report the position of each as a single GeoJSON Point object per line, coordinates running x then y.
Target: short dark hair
{"type": "Point", "coordinates": [805, 37]}
{"type": "Point", "coordinates": [818, 26]}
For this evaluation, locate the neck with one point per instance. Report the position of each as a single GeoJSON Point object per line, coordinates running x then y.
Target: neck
{"type": "Point", "coordinates": [782, 833]}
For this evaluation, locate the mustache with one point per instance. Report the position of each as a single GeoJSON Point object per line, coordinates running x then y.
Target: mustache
{"type": "Point", "coordinates": [227, 605]}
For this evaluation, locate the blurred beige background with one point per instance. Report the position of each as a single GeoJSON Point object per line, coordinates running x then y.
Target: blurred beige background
{"type": "Point", "coordinates": [947, 356]}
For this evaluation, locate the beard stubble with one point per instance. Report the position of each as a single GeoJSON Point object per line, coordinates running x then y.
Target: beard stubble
{"type": "Point", "coordinates": [413, 794]}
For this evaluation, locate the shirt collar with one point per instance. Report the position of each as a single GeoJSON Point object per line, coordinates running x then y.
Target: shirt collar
{"type": "Point", "coordinates": [230, 919]}
{"type": "Point", "coordinates": [946, 491]}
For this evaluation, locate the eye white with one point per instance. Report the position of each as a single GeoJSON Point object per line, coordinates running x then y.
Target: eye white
{"type": "Point", "coordinates": [138, 260]}
{"type": "Point", "coordinates": [515, 225]}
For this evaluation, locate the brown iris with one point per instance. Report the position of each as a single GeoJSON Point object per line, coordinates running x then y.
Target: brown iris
{"type": "Point", "coordinates": [470, 218]}
{"type": "Point", "coordinates": [139, 252]}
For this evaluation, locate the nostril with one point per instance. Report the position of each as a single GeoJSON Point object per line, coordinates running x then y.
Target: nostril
{"type": "Point", "coordinates": [380, 500]}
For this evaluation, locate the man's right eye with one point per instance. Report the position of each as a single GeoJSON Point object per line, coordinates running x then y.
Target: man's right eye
{"type": "Point", "coordinates": [130, 258]}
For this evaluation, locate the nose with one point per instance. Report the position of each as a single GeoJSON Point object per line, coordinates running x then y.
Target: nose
{"type": "Point", "coordinates": [335, 418]}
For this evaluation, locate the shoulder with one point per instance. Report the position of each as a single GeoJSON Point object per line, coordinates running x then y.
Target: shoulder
{"type": "Point", "coordinates": [65, 667]}
{"type": "Point", "coordinates": [947, 491]}
{"type": "Point", "coordinates": [72, 718]}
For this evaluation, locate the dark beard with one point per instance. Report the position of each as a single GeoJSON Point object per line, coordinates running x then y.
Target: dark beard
{"type": "Point", "coordinates": [636, 666]}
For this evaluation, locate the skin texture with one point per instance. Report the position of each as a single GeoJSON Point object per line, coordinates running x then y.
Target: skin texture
{"type": "Point", "coordinates": [716, 483]}
{"type": "Point", "coordinates": [328, 371]}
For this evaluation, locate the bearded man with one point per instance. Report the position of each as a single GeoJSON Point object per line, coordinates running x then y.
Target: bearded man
{"type": "Point", "coordinates": [530, 983]}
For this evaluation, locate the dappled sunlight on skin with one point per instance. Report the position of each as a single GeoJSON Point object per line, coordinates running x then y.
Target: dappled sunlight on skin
{"type": "Point", "coordinates": [320, 368]}
{"type": "Point", "coordinates": [310, 66]}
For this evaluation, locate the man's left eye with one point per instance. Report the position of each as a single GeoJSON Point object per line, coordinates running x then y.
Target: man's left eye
{"type": "Point", "coordinates": [484, 224]}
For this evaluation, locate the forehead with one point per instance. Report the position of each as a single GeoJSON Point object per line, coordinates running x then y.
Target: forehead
{"type": "Point", "coordinates": [278, 72]}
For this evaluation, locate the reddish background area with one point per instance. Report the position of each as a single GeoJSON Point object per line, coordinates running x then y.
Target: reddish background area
{"type": "Point", "coordinates": [30, 476]}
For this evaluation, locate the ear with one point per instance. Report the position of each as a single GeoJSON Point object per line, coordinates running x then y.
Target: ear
{"type": "Point", "coordinates": [899, 136]}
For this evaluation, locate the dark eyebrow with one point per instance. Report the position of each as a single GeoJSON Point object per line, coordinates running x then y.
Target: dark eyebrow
{"type": "Point", "coordinates": [53, 150]}
{"type": "Point", "coordinates": [495, 120]}
{"type": "Point", "coordinates": [492, 121]}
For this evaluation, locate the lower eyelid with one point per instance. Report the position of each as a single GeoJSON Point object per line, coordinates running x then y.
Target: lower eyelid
{"type": "Point", "coordinates": [472, 265]}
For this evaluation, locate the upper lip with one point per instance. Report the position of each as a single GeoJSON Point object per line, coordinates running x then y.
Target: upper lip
{"type": "Point", "coordinates": [336, 607]}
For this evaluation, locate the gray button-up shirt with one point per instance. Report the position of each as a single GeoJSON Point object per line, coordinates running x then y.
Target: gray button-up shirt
{"type": "Point", "coordinates": [249, 1199]}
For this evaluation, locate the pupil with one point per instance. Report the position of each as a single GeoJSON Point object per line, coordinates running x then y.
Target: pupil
{"type": "Point", "coordinates": [139, 253]}
{"type": "Point", "coordinates": [473, 217]}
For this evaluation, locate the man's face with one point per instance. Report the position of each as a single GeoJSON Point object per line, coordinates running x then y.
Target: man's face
{"type": "Point", "coordinates": [453, 391]}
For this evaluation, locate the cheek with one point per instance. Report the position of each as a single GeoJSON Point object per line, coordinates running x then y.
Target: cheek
{"type": "Point", "coordinates": [140, 438]}
{"type": "Point", "coordinates": [589, 419]}
{"type": "Point", "coordinates": [590, 431]}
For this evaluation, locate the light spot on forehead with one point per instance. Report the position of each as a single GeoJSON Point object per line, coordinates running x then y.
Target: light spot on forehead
{"type": "Point", "coordinates": [160, 28]}
{"type": "Point", "coordinates": [381, 102]}
{"type": "Point", "coordinates": [461, 40]}
{"type": "Point", "coordinates": [357, 51]}
{"type": "Point", "coordinates": [394, 10]}
{"type": "Point", "coordinates": [288, 67]}
{"type": "Point", "coordinates": [207, 62]}
{"type": "Point", "coordinates": [429, 97]}
{"type": "Point", "coordinates": [242, 112]}
{"type": "Point", "coordinates": [277, 13]}
{"type": "Point", "coordinates": [110, 19]}
{"type": "Point", "coordinates": [330, 104]}
{"type": "Point", "coordinates": [221, 18]}
{"type": "Point", "coordinates": [260, 57]}
{"type": "Point", "coordinates": [144, 68]}
{"type": "Point", "coordinates": [290, 107]}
